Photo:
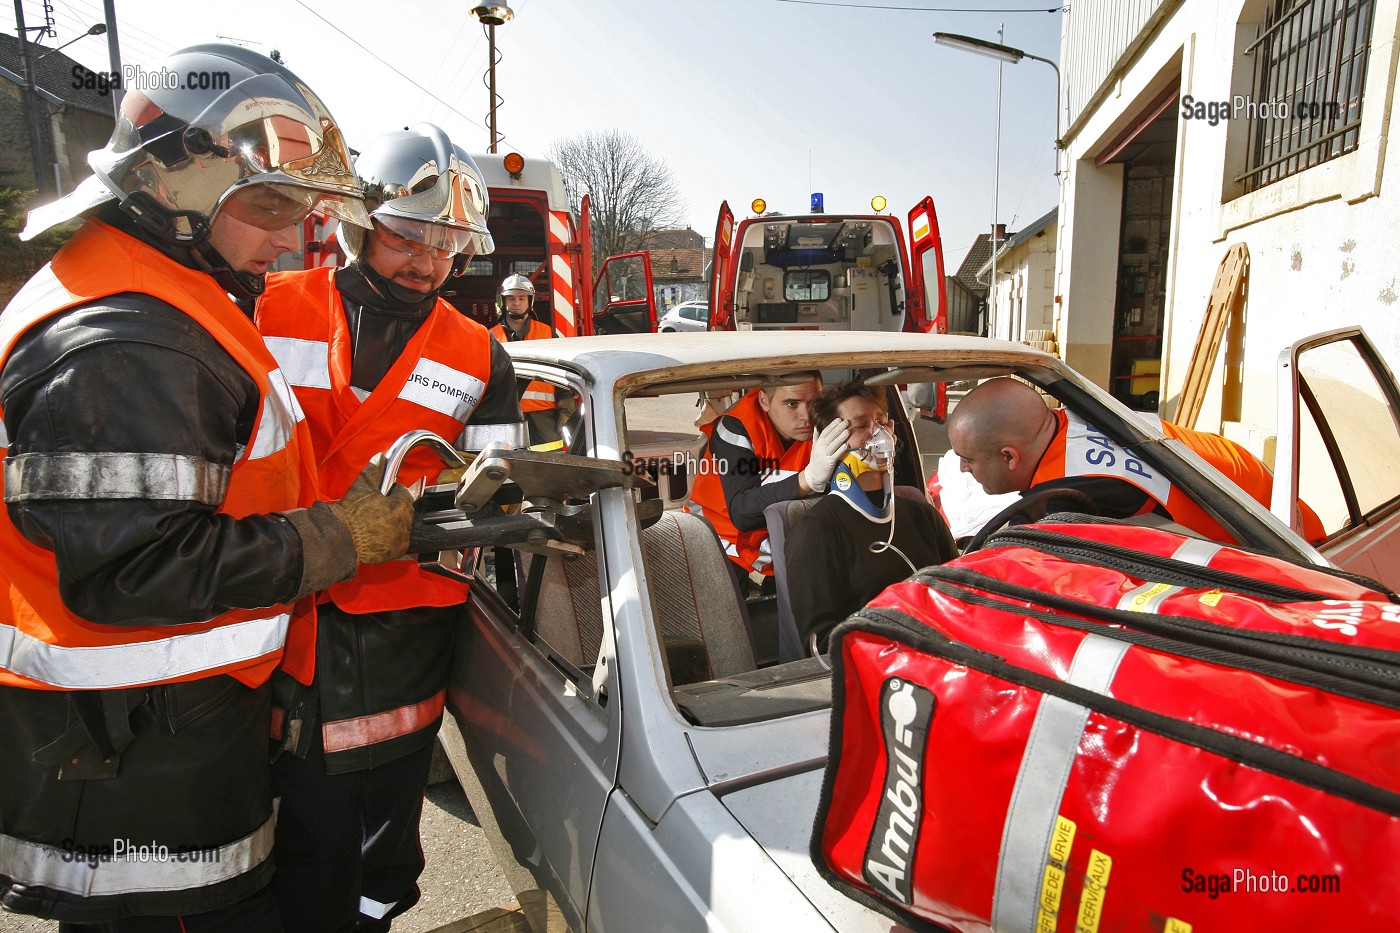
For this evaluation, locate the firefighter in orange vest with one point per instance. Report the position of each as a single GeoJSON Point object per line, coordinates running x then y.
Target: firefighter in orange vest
{"type": "Point", "coordinates": [1010, 441]}
{"type": "Point", "coordinates": [762, 451]}
{"type": "Point", "coordinates": [162, 530]}
{"type": "Point", "coordinates": [540, 401]}
{"type": "Point", "coordinates": [373, 352]}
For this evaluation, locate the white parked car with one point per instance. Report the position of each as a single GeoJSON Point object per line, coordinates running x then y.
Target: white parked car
{"type": "Point", "coordinates": [686, 316]}
{"type": "Point", "coordinates": [623, 732]}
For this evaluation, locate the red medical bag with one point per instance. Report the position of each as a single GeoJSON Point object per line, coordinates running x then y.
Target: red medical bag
{"type": "Point", "coordinates": [1097, 727]}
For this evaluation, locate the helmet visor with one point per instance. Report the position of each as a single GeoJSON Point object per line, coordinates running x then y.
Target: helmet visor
{"type": "Point", "coordinates": [448, 203]}
{"type": "Point", "coordinates": [274, 206]}
{"type": "Point", "coordinates": [442, 241]}
{"type": "Point", "coordinates": [263, 131]}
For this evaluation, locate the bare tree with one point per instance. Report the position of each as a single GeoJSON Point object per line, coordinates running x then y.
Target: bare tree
{"type": "Point", "coordinates": [631, 192]}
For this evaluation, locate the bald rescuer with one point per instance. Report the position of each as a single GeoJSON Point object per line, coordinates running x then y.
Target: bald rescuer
{"type": "Point", "coordinates": [1006, 437]}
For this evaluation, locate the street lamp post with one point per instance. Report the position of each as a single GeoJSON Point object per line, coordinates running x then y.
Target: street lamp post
{"type": "Point", "coordinates": [1006, 53]}
{"type": "Point", "coordinates": [96, 29]}
{"type": "Point", "coordinates": [1010, 56]}
{"type": "Point", "coordinates": [492, 14]}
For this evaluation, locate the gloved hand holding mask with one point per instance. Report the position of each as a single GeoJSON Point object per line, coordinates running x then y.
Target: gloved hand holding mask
{"type": "Point", "coordinates": [828, 448]}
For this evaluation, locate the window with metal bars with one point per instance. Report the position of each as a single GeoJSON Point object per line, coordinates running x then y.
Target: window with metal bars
{"type": "Point", "coordinates": [1309, 78]}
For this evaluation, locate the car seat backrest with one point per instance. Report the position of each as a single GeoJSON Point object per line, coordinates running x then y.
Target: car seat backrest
{"type": "Point", "coordinates": [694, 600]}
{"type": "Point", "coordinates": [569, 614]}
{"type": "Point", "coordinates": [779, 517]}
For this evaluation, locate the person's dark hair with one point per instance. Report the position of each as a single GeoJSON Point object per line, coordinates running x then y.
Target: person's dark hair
{"type": "Point", "coordinates": [771, 389]}
{"type": "Point", "coordinates": [825, 403]}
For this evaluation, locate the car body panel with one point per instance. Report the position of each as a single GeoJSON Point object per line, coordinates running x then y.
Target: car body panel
{"type": "Point", "coordinates": [603, 793]}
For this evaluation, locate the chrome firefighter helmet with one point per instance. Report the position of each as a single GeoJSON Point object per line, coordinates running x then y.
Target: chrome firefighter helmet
{"type": "Point", "coordinates": [422, 187]}
{"type": "Point", "coordinates": [514, 285]}
{"type": "Point", "coordinates": [179, 155]}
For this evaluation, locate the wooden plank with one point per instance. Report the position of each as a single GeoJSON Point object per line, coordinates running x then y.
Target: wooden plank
{"type": "Point", "coordinates": [1226, 296]}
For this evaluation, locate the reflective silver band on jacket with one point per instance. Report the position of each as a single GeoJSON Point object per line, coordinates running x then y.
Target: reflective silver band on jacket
{"type": "Point", "coordinates": [144, 867]}
{"type": "Point", "coordinates": [477, 436]}
{"type": "Point", "coordinates": [136, 664]}
{"type": "Point", "coordinates": [114, 476]}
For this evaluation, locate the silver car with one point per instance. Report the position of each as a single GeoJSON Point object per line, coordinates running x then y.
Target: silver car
{"type": "Point", "coordinates": [618, 720]}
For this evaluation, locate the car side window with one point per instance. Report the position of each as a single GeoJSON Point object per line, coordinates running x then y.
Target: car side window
{"type": "Point", "coordinates": [1349, 442]}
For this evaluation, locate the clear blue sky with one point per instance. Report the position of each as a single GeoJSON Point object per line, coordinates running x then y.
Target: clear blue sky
{"type": "Point", "coordinates": [741, 98]}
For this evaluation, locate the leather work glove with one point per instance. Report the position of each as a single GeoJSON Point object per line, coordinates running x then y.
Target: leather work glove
{"type": "Point", "coordinates": [828, 448]}
{"type": "Point", "coordinates": [379, 524]}
{"type": "Point", "coordinates": [454, 474]}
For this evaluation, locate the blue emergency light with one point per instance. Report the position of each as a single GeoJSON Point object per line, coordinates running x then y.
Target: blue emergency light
{"type": "Point", "coordinates": [817, 203]}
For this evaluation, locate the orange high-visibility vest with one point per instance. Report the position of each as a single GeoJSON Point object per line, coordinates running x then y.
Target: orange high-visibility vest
{"type": "Point", "coordinates": [434, 385]}
{"type": "Point", "coordinates": [746, 548]}
{"type": "Point", "coordinates": [1080, 450]}
{"type": "Point", "coordinates": [538, 396]}
{"type": "Point", "coordinates": [43, 645]}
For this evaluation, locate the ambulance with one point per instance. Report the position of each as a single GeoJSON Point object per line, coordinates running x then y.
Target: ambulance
{"type": "Point", "coordinates": [539, 237]}
{"type": "Point", "coordinates": [820, 271]}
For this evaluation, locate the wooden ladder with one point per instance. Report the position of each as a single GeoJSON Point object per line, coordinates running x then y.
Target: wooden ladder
{"type": "Point", "coordinates": [1226, 296]}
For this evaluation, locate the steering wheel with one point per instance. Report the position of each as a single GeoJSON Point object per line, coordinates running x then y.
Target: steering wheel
{"type": "Point", "coordinates": [1034, 506]}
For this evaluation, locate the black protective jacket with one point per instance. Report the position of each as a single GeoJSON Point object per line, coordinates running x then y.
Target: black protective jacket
{"type": "Point", "coordinates": [82, 769]}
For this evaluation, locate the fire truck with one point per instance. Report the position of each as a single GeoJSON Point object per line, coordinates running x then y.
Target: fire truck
{"type": "Point", "coordinates": [822, 271]}
{"type": "Point", "coordinates": [536, 236]}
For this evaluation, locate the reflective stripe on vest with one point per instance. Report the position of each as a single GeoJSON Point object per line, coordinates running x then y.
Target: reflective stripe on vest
{"type": "Point", "coordinates": [345, 734]}
{"type": "Point", "coordinates": [1081, 450]}
{"type": "Point", "coordinates": [106, 667]}
{"type": "Point", "coordinates": [90, 876]}
{"type": "Point", "coordinates": [479, 436]}
{"type": "Point", "coordinates": [538, 396]}
{"type": "Point", "coordinates": [42, 643]}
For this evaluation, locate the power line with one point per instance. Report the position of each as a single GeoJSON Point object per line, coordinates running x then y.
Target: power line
{"type": "Point", "coordinates": [927, 9]}
{"type": "Point", "coordinates": [376, 57]}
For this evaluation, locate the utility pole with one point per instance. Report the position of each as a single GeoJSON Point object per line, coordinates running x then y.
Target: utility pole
{"type": "Point", "coordinates": [31, 102]}
{"type": "Point", "coordinates": [996, 200]}
{"type": "Point", "coordinates": [114, 55]}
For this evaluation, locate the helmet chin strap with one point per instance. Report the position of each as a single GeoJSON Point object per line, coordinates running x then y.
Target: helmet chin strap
{"type": "Point", "coordinates": [245, 285]}
{"type": "Point", "coordinates": [406, 298]}
{"type": "Point", "coordinates": [155, 226]}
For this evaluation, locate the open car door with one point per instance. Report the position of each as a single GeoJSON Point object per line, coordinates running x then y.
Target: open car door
{"type": "Point", "coordinates": [1339, 450]}
{"type": "Point", "coordinates": [928, 307]}
{"type": "Point", "coordinates": [721, 285]}
{"type": "Point", "coordinates": [624, 294]}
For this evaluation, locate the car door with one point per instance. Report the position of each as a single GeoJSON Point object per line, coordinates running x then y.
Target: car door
{"type": "Point", "coordinates": [624, 299]}
{"type": "Point", "coordinates": [721, 266]}
{"type": "Point", "coordinates": [536, 728]}
{"type": "Point", "coordinates": [1339, 449]}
